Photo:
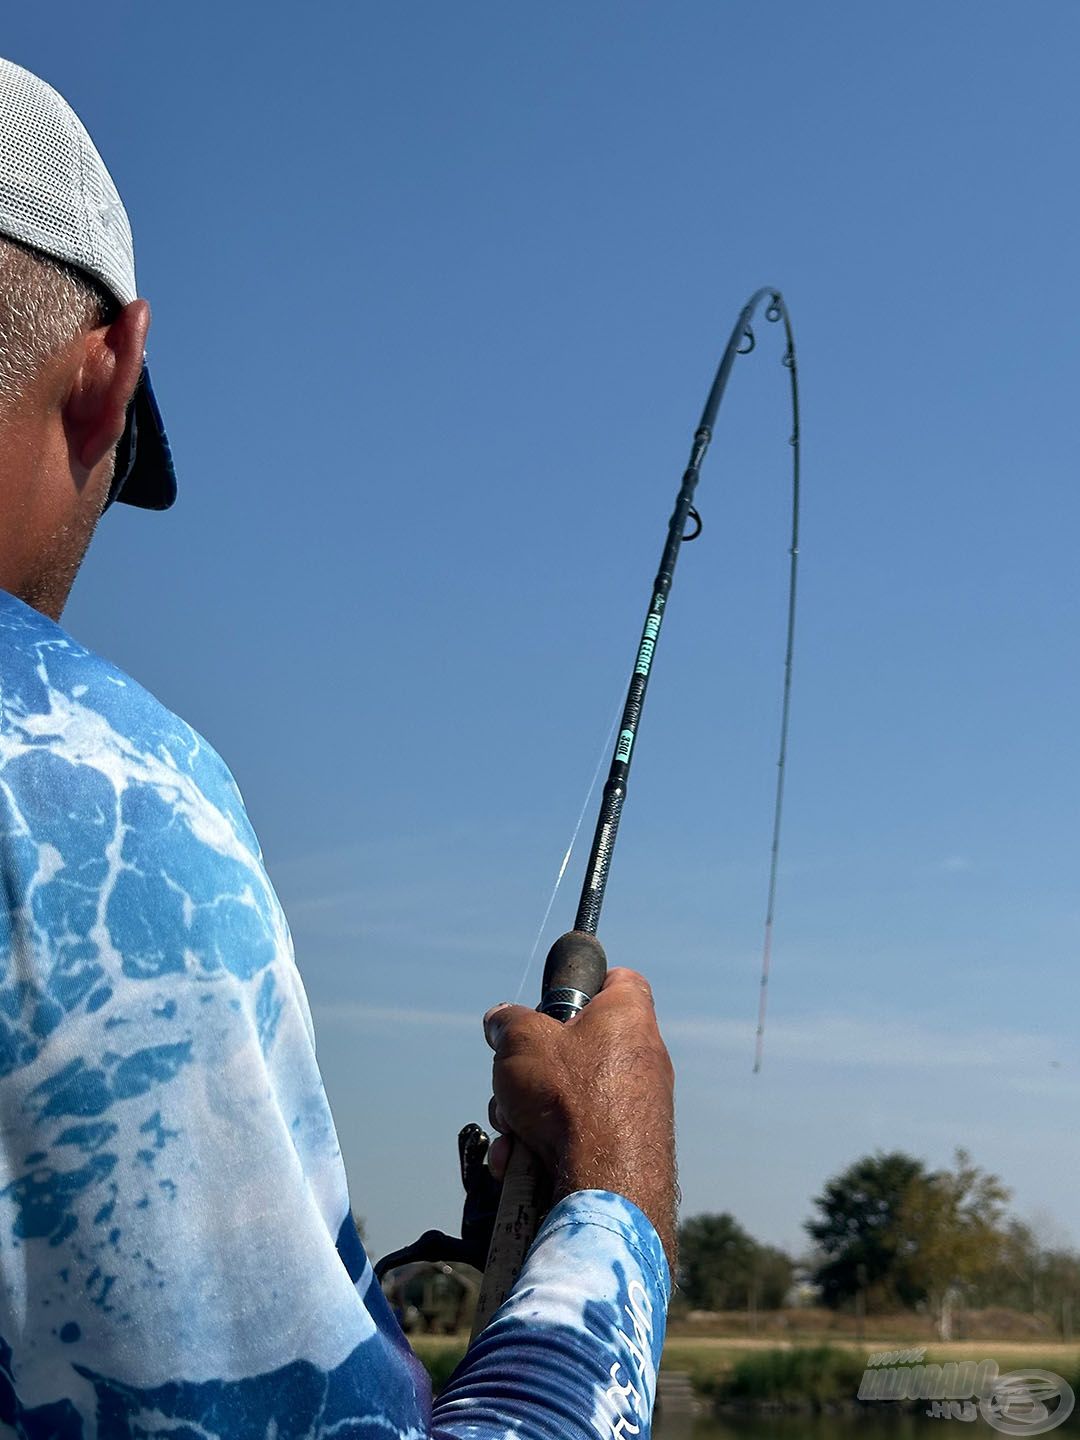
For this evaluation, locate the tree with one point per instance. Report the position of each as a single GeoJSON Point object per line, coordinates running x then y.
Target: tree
{"type": "Point", "coordinates": [722, 1267]}
{"type": "Point", "coordinates": [857, 1236]}
{"type": "Point", "coordinates": [714, 1261]}
{"type": "Point", "coordinates": [774, 1271]}
{"type": "Point", "coordinates": [950, 1226]}
{"type": "Point", "coordinates": [1015, 1281]}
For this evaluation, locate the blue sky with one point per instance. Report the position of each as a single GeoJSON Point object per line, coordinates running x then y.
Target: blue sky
{"type": "Point", "coordinates": [438, 292]}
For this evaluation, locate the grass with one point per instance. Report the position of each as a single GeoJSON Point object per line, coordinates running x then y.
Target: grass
{"type": "Point", "coordinates": [749, 1371]}
{"type": "Point", "coordinates": [819, 1326]}
{"type": "Point", "coordinates": [440, 1355]}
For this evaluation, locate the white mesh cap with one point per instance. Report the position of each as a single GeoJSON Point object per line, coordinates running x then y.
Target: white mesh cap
{"type": "Point", "coordinates": [55, 192]}
{"type": "Point", "coordinates": [57, 197]}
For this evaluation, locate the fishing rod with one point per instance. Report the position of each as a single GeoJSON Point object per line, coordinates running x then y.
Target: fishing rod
{"type": "Point", "coordinates": [576, 964]}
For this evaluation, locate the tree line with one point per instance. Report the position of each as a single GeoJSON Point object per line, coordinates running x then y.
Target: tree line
{"type": "Point", "coordinates": [888, 1234]}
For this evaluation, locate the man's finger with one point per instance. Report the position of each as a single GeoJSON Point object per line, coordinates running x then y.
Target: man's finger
{"type": "Point", "coordinates": [498, 1156]}
{"type": "Point", "coordinates": [621, 988]}
{"type": "Point", "coordinates": [496, 1119]}
{"type": "Point", "coordinates": [493, 1023]}
{"type": "Point", "coordinates": [508, 1026]}
{"type": "Point", "coordinates": [621, 977]}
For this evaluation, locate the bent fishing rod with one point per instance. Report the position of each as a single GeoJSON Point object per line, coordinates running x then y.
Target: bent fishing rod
{"type": "Point", "coordinates": [576, 964]}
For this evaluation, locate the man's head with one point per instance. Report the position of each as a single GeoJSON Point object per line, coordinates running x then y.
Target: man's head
{"type": "Point", "coordinates": [70, 358]}
{"type": "Point", "coordinates": [73, 383]}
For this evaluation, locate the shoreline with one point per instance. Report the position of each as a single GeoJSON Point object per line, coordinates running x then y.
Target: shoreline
{"type": "Point", "coordinates": [731, 1376]}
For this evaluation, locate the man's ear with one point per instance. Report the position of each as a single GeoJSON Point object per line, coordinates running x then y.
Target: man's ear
{"type": "Point", "coordinates": [96, 406]}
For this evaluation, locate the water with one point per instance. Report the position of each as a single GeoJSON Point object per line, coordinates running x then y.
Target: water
{"type": "Point", "coordinates": [889, 1426]}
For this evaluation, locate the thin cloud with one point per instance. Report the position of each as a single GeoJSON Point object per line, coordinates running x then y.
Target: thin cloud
{"type": "Point", "coordinates": [956, 865]}
{"type": "Point", "coordinates": [821, 1040]}
{"type": "Point", "coordinates": [365, 1017]}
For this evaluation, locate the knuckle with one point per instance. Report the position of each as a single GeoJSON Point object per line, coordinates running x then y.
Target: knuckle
{"type": "Point", "coordinates": [517, 1037]}
{"type": "Point", "coordinates": [514, 1030]}
{"type": "Point", "coordinates": [632, 981]}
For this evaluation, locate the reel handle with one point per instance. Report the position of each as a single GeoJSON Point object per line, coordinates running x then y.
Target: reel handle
{"type": "Point", "coordinates": [574, 971]}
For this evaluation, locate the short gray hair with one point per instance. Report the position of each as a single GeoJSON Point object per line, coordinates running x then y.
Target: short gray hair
{"type": "Point", "coordinates": [44, 304]}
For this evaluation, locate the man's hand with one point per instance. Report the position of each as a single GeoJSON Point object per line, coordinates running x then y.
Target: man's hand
{"type": "Point", "coordinates": [593, 1099]}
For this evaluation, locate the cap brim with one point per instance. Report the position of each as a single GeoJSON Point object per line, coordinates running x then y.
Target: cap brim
{"type": "Point", "coordinates": [151, 479]}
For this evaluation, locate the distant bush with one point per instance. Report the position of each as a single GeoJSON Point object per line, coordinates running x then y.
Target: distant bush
{"type": "Point", "coordinates": [440, 1361]}
{"type": "Point", "coordinates": [817, 1376]}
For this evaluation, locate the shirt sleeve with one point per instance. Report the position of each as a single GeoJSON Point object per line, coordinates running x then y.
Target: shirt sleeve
{"type": "Point", "coordinates": [574, 1350]}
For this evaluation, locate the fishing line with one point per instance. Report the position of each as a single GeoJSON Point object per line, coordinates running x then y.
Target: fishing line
{"type": "Point", "coordinates": [604, 751]}
{"type": "Point", "coordinates": [742, 342]}
{"type": "Point", "coordinates": [785, 710]}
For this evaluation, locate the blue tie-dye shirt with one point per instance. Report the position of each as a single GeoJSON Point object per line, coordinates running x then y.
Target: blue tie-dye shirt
{"type": "Point", "coordinates": [177, 1257]}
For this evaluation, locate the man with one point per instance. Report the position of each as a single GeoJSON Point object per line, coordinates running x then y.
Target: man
{"type": "Point", "coordinates": [177, 1255]}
